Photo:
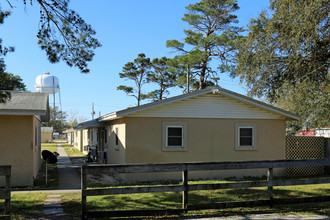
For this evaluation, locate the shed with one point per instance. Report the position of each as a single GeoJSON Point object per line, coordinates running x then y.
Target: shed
{"type": "Point", "coordinates": [20, 129]}
{"type": "Point", "coordinates": [46, 134]}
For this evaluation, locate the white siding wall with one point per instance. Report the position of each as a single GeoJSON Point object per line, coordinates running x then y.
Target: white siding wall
{"type": "Point", "coordinates": [208, 106]}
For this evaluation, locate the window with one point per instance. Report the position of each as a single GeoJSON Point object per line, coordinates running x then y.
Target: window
{"type": "Point", "coordinates": [245, 135]}
{"type": "Point", "coordinates": [174, 136]}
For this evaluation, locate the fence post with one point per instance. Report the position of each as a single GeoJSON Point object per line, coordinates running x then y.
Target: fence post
{"type": "Point", "coordinates": [327, 153]}
{"type": "Point", "coordinates": [270, 188]}
{"type": "Point", "coordinates": [185, 189]}
{"type": "Point", "coordinates": [7, 199]}
{"type": "Point", "coordinates": [83, 196]}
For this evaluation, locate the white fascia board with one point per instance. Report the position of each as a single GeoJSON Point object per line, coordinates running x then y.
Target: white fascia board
{"type": "Point", "coordinates": [109, 117]}
{"type": "Point", "coordinates": [38, 117]}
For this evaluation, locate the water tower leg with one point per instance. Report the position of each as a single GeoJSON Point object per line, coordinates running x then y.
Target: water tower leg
{"type": "Point", "coordinates": [59, 98]}
{"type": "Point", "coordinates": [54, 100]}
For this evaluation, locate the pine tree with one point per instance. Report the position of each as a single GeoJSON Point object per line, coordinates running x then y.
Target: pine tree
{"type": "Point", "coordinates": [210, 36]}
{"type": "Point", "coordinates": [136, 71]}
{"type": "Point", "coordinates": [62, 34]}
{"type": "Point", "coordinates": [160, 75]}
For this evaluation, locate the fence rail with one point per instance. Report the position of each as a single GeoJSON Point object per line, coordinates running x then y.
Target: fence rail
{"type": "Point", "coordinates": [185, 187]}
{"type": "Point", "coordinates": [5, 170]}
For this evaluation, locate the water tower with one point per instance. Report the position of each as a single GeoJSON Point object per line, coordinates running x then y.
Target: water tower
{"type": "Point", "coordinates": [47, 83]}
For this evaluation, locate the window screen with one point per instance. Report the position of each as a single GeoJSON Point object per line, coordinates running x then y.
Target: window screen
{"type": "Point", "coordinates": [245, 136]}
{"type": "Point", "coordinates": [174, 136]}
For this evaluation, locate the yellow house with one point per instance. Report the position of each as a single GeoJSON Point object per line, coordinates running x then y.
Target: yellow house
{"type": "Point", "coordinates": [46, 134]}
{"type": "Point", "coordinates": [95, 135]}
{"type": "Point", "coordinates": [20, 130]}
{"type": "Point", "coordinates": [69, 136]}
{"type": "Point", "coordinates": [78, 138]}
{"type": "Point", "coordinates": [210, 125]}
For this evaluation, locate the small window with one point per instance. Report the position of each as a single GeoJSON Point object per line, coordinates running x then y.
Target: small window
{"type": "Point", "coordinates": [174, 136]}
{"type": "Point", "coordinates": [245, 136]}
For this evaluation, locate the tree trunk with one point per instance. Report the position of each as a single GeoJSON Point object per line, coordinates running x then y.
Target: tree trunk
{"type": "Point", "coordinates": [202, 77]}
{"type": "Point", "coordinates": [139, 96]}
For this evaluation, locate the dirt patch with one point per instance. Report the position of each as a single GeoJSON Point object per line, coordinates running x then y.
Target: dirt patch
{"type": "Point", "coordinates": [77, 160]}
{"type": "Point", "coordinates": [104, 179]}
{"type": "Point", "coordinates": [99, 179]}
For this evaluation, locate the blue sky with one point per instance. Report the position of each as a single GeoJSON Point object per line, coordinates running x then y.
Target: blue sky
{"type": "Point", "coordinates": [125, 28]}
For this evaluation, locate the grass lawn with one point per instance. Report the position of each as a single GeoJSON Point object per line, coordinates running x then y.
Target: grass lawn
{"type": "Point", "coordinates": [72, 152]}
{"type": "Point", "coordinates": [172, 200]}
{"type": "Point", "coordinates": [25, 206]}
{"type": "Point", "coordinates": [28, 205]}
{"type": "Point", "coordinates": [62, 140]}
{"type": "Point", "coordinates": [49, 146]}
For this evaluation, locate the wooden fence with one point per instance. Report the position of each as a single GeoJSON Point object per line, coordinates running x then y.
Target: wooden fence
{"type": "Point", "coordinates": [185, 187]}
{"type": "Point", "coordinates": [5, 193]}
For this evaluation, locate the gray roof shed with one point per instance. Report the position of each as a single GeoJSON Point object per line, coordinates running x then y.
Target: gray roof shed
{"type": "Point", "coordinates": [27, 103]}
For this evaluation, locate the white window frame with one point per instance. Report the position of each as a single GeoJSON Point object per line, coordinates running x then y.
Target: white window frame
{"type": "Point", "coordinates": [251, 125]}
{"type": "Point", "coordinates": [174, 124]}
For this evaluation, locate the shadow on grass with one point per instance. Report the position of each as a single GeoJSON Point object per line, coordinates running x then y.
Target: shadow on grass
{"type": "Point", "coordinates": [72, 208]}
{"type": "Point", "coordinates": [25, 206]}
{"type": "Point", "coordinates": [173, 201]}
{"type": "Point", "coordinates": [137, 201]}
